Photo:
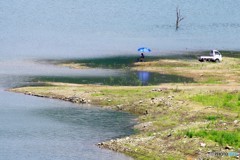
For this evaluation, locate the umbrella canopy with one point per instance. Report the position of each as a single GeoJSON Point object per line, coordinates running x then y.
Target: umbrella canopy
{"type": "Point", "coordinates": [144, 49]}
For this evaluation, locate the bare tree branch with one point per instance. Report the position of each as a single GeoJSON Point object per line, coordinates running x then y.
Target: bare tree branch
{"type": "Point", "coordinates": [179, 17]}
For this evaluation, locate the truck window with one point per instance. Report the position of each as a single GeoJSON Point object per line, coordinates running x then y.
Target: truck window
{"type": "Point", "coordinates": [211, 53]}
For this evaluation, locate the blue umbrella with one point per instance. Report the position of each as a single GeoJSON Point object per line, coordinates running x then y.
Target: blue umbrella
{"type": "Point", "coordinates": [144, 49]}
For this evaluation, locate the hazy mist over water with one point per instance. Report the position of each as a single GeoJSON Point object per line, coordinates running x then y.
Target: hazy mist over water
{"type": "Point", "coordinates": [84, 28]}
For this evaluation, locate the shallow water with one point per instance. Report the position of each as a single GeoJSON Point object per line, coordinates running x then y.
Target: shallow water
{"type": "Point", "coordinates": [38, 128]}
{"type": "Point", "coordinates": [125, 78]}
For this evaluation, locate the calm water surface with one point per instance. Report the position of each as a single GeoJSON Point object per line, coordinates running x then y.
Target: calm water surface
{"type": "Point", "coordinates": [35, 128]}
{"type": "Point", "coordinates": [83, 28]}
{"type": "Point", "coordinates": [38, 128]}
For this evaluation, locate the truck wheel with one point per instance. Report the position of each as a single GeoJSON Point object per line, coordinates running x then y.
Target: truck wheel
{"type": "Point", "coordinates": [217, 61]}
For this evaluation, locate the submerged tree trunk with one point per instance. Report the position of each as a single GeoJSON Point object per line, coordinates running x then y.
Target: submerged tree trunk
{"type": "Point", "coordinates": [179, 18]}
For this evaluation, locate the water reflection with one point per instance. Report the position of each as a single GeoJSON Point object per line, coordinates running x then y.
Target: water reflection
{"type": "Point", "coordinates": [143, 76]}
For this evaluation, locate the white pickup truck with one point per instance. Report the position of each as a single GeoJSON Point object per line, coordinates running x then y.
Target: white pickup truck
{"type": "Point", "coordinates": [215, 56]}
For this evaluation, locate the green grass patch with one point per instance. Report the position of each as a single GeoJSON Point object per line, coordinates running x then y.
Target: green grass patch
{"type": "Point", "coordinates": [213, 117]}
{"type": "Point", "coordinates": [213, 80]}
{"type": "Point", "coordinates": [223, 138]}
{"type": "Point", "coordinates": [141, 93]}
{"type": "Point", "coordinates": [230, 101]}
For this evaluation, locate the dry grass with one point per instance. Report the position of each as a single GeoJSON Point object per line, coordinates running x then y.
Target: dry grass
{"type": "Point", "coordinates": [74, 65]}
{"type": "Point", "coordinates": [227, 71]}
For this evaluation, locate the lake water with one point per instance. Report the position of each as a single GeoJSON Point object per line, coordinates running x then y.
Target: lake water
{"type": "Point", "coordinates": [36, 128]}
{"type": "Point", "coordinates": [83, 28]}
{"type": "Point", "coordinates": [125, 78]}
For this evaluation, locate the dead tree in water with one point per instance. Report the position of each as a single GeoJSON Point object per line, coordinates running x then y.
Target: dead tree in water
{"type": "Point", "coordinates": [179, 18]}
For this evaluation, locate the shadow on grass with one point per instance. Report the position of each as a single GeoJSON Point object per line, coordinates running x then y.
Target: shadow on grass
{"type": "Point", "coordinates": [116, 62]}
{"type": "Point", "coordinates": [120, 62]}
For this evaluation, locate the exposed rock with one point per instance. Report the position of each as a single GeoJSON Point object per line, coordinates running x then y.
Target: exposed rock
{"type": "Point", "coordinates": [100, 144]}
{"type": "Point", "coordinates": [235, 122]}
{"type": "Point", "coordinates": [28, 93]}
{"type": "Point", "coordinates": [74, 99]}
{"type": "Point", "coordinates": [228, 147]}
{"type": "Point", "coordinates": [119, 107]}
{"type": "Point", "coordinates": [146, 112]}
{"type": "Point", "coordinates": [203, 144]}
{"type": "Point", "coordinates": [143, 126]}
{"type": "Point", "coordinates": [159, 89]}
{"type": "Point", "coordinates": [83, 100]}
{"type": "Point", "coordinates": [169, 135]}
{"type": "Point", "coordinates": [38, 95]}
{"type": "Point", "coordinates": [170, 96]}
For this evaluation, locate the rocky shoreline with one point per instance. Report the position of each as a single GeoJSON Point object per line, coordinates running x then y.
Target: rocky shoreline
{"type": "Point", "coordinates": [162, 102]}
{"type": "Point", "coordinates": [77, 100]}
